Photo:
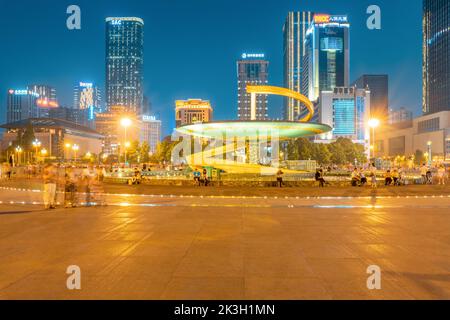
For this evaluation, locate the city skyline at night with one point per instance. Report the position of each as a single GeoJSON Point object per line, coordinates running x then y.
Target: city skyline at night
{"type": "Point", "coordinates": [175, 69]}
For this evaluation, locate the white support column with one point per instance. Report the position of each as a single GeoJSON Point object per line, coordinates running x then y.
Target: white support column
{"type": "Point", "coordinates": [253, 106]}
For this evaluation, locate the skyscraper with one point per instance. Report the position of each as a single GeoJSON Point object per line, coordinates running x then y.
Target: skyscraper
{"type": "Point", "coordinates": [252, 69]}
{"type": "Point", "coordinates": [379, 94]}
{"type": "Point", "coordinates": [326, 63]}
{"type": "Point", "coordinates": [436, 59]}
{"type": "Point", "coordinates": [21, 104]}
{"type": "Point", "coordinates": [294, 34]}
{"type": "Point", "coordinates": [150, 131]}
{"type": "Point", "coordinates": [47, 99]}
{"type": "Point", "coordinates": [124, 63]}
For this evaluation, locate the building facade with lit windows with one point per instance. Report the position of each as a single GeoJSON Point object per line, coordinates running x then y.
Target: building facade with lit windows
{"type": "Point", "coordinates": [124, 63]}
{"type": "Point", "coordinates": [54, 134]}
{"type": "Point", "coordinates": [399, 116]}
{"type": "Point", "coordinates": [294, 35]}
{"type": "Point", "coordinates": [347, 111]}
{"type": "Point", "coordinates": [326, 63]}
{"type": "Point", "coordinates": [252, 69]}
{"type": "Point", "coordinates": [150, 131]}
{"type": "Point", "coordinates": [405, 140]}
{"type": "Point", "coordinates": [21, 104]}
{"type": "Point", "coordinates": [86, 95]}
{"type": "Point", "coordinates": [192, 111]}
{"type": "Point", "coordinates": [436, 60]}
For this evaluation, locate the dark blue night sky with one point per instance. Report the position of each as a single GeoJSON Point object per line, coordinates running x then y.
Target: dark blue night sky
{"type": "Point", "coordinates": [191, 47]}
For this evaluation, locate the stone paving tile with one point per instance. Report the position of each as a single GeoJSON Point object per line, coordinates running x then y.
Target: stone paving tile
{"type": "Point", "coordinates": [279, 288]}
{"type": "Point", "coordinates": [215, 288]}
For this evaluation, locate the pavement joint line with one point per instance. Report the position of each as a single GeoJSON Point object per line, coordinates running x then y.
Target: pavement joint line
{"type": "Point", "coordinates": [237, 197]}
{"type": "Point", "coordinates": [290, 206]}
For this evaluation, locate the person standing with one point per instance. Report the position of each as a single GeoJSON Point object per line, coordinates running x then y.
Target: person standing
{"type": "Point", "coordinates": [373, 176]}
{"type": "Point", "coordinates": [280, 178]}
{"type": "Point", "coordinates": [49, 176]}
{"type": "Point", "coordinates": [205, 177]}
{"type": "Point", "coordinates": [441, 175]}
{"type": "Point", "coordinates": [423, 173]}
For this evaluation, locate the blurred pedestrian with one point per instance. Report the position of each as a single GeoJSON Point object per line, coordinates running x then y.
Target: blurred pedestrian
{"type": "Point", "coordinates": [49, 176]}
{"type": "Point", "coordinates": [280, 178]}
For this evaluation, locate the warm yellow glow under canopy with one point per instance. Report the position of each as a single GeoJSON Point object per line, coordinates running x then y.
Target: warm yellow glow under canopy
{"type": "Point", "coordinates": [285, 93]}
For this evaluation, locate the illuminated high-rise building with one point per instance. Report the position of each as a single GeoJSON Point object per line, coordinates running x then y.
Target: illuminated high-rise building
{"type": "Point", "coordinates": [192, 111]}
{"type": "Point", "coordinates": [150, 131]}
{"type": "Point", "coordinates": [294, 34]}
{"type": "Point", "coordinates": [436, 59]}
{"type": "Point", "coordinates": [47, 98]}
{"type": "Point", "coordinates": [124, 63]}
{"type": "Point", "coordinates": [326, 63]}
{"type": "Point", "coordinates": [252, 69]}
{"type": "Point", "coordinates": [21, 104]}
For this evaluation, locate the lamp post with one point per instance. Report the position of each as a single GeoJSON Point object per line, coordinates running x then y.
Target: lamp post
{"type": "Point", "coordinates": [67, 147]}
{"type": "Point", "coordinates": [373, 123]}
{"type": "Point", "coordinates": [36, 145]}
{"type": "Point", "coordinates": [430, 157]}
{"type": "Point", "coordinates": [19, 150]}
{"type": "Point", "coordinates": [125, 123]}
{"type": "Point", "coordinates": [127, 145]}
{"type": "Point", "coordinates": [75, 149]}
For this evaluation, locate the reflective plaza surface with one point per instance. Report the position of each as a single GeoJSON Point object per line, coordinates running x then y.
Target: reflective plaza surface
{"type": "Point", "coordinates": [203, 243]}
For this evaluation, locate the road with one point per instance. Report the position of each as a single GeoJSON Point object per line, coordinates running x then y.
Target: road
{"type": "Point", "coordinates": [226, 247]}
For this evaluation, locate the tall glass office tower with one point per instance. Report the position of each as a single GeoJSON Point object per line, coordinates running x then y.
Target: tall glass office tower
{"type": "Point", "coordinates": [436, 56]}
{"type": "Point", "coordinates": [327, 55]}
{"type": "Point", "coordinates": [124, 63]}
{"type": "Point", "coordinates": [294, 33]}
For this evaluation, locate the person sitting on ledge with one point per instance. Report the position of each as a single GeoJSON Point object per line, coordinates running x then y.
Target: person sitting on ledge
{"type": "Point", "coordinates": [387, 178]}
{"type": "Point", "coordinates": [362, 177]}
{"type": "Point", "coordinates": [319, 177]}
{"type": "Point", "coordinates": [355, 178]}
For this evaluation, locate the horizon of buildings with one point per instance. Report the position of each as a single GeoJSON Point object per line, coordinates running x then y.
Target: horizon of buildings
{"type": "Point", "coordinates": [316, 61]}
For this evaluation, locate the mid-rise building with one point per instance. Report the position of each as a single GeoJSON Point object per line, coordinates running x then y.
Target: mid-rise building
{"type": "Point", "coordinates": [347, 111]}
{"type": "Point", "coordinates": [150, 131]}
{"type": "Point", "coordinates": [294, 35]}
{"type": "Point", "coordinates": [379, 90]}
{"type": "Point", "coordinates": [124, 63]}
{"type": "Point", "coordinates": [21, 104]}
{"type": "Point", "coordinates": [47, 98]}
{"type": "Point", "coordinates": [115, 135]}
{"type": "Point", "coordinates": [428, 133]}
{"type": "Point", "coordinates": [77, 116]}
{"type": "Point", "coordinates": [192, 111]}
{"type": "Point", "coordinates": [436, 61]}
{"type": "Point", "coordinates": [400, 115]}
{"type": "Point", "coordinates": [252, 69]}
{"type": "Point", "coordinates": [326, 63]}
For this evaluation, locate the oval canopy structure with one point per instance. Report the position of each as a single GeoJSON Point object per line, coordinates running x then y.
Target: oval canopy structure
{"type": "Point", "coordinates": [279, 91]}
{"type": "Point", "coordinates": [252, 129]}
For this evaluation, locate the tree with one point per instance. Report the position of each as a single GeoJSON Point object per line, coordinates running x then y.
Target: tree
{"type": "Point", "coordinates": [419, 157]}
{"type": "Point", "coordinates": [144, 152]}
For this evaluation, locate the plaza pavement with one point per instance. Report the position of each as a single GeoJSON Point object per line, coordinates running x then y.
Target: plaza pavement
{"type": "Point", "coordinates": [228, 247]}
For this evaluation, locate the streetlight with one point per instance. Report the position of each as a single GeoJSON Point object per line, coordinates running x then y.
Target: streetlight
{"type": "Point", "coordinates": [19, 150]}
{"type": "Point", "coordinates": [127, 145]}
{"type": "Point", "coordinates": [125, 123]}
{"type": "Point", "coordinates": [36, 145]}
{"type": "Point", "coordinates": [44, 153]}
{"type": "Point", "coordinates": [67, 146]}
{"type": "Point", "coordinates": [430, 158]}
{"type": "Point", "coordinates": [75, 149]}
{"type": "Point", "coordinates": [373, 123]}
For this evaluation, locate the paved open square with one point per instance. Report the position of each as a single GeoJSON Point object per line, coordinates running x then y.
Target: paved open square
{"type": "Point", "coordinates": [226, 247]}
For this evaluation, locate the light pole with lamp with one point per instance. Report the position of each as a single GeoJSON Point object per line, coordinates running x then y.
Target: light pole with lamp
{"type": "Point", "coordinates": [75, 149]}
{"type": "Point", "coordinates": [430, 157]}
{"type": "Point", "coordinates": [125, 123]}
{"type": "Point", "coordinates": [36, 145]}
{"type": "Point", "coordinates": [19, 150]}
{"type": "Point", "coordinates": [67, 147]}
{"type": "Point", "coordinates": [373, 123]}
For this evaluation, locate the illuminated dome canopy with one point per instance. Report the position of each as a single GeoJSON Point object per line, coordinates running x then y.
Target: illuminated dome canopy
{"type": "Point", "coordinates": [253, 129]}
